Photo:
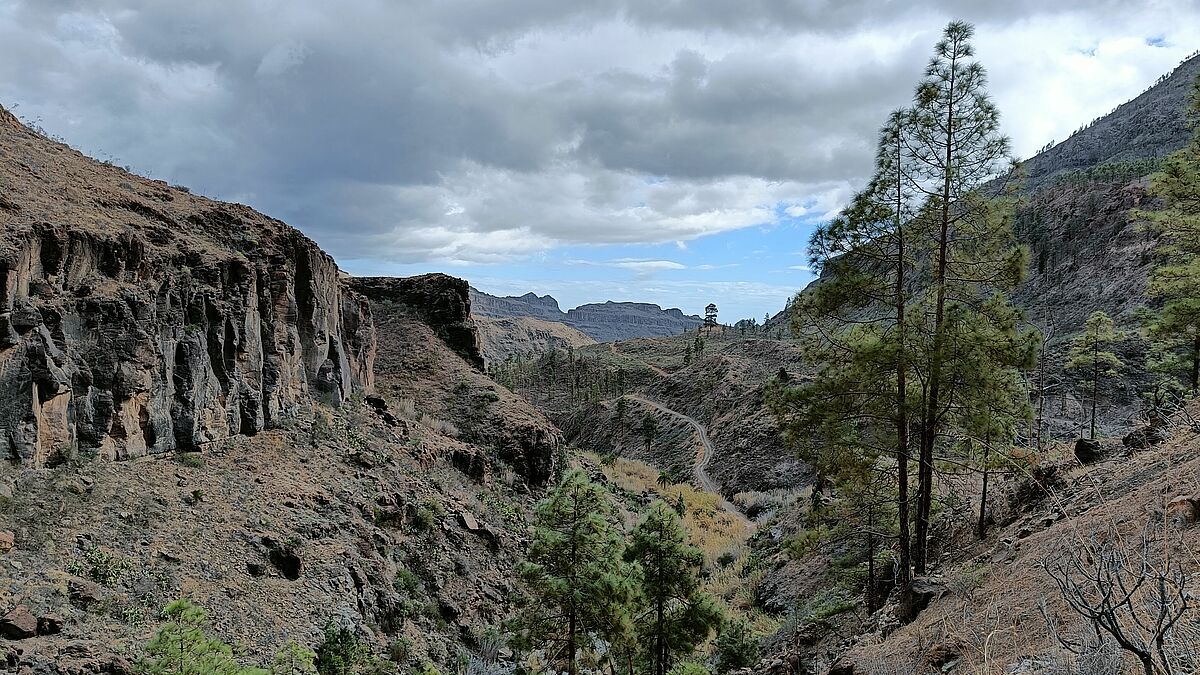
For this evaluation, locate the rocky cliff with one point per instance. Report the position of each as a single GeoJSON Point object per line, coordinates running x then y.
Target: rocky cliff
{"type": "Point", "coordinates": [525, 337]}
{"type": "Point", "coordinates": [603, 322]}
{"type": "Point", "coordinates": [138, 318]}
{"type": "Point", "coordinates": [441, 301]}
{"type": "Point", "coordinates": [1087, 251]}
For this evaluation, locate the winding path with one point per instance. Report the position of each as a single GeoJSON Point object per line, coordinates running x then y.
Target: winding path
{"type": "Point", "coordinates": [700, 470]}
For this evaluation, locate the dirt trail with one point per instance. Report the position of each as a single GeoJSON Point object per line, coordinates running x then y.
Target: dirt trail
{"type": "Point", "coordinates": [700, 470]}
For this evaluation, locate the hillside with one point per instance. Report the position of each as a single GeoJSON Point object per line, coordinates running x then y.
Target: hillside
{"type": "Point", "coordinates": [602, 322]}
{"type": "Point", "coordinates": [193, 406]}
{"type": "Point", "coordinates": [525, 336]}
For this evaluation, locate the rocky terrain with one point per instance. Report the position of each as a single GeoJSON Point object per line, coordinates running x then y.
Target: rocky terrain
{"type": "Point", "coordinates": [603, 322]}
{"type": "Point", "coordinates": [1149, 126]}
{"type": "Point", "coordinates": [190, 408]}
{"type": "Point", "coordinates": [136, 318]}
{"type": "Point", "coordinates": [525, 337]}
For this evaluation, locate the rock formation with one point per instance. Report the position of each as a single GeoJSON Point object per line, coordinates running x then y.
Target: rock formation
{"type": "Point", "coordinates": [441, 301]}
{"type": "Point", "coordinates": [137, 318]}
{"type": "Point", "coordinates": [603, 322]}
{"type": "Point", "coordinates": [525, 337]}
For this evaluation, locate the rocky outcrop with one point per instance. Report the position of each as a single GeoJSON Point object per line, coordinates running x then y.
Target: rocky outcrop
{"type": "Point", "coordinates": [530, 304]}
{"type": "Point", "coordinates": [136, 318]}
{"type": "Point", "coordinates": [525, 337]}
{"type": "Point", "coordinates": [603, 322]}
{"type": "Point", "coordinates": [441, 301]}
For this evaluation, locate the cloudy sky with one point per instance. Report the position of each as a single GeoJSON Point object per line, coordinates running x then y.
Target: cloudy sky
{"type": "Point", "coordinates": [671, 151]}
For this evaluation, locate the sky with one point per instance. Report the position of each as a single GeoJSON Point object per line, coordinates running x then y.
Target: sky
{"type": "Point", "coordinates": [670, 151]}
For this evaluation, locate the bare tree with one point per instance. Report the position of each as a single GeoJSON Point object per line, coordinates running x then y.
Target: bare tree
{"type": "Point", "coordinates": [1140, 599]}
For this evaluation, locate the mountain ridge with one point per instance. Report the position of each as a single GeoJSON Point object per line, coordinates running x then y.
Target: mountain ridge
{"type": "Point", "coordinates": [603, 322]}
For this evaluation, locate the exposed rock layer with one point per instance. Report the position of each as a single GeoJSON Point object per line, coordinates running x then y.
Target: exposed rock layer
{"type": "Point", "coordinates": [441, 301]}
{"type": "Point", "coordinates": [137, 318]}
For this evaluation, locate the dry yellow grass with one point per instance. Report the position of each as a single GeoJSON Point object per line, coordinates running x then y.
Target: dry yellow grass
{"type": "Point", "coordinates": [712, 530]}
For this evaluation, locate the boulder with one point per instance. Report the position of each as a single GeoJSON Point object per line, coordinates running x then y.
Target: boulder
{"type": "Point", "coordinates": [18, 624]}
{"type": "Point", "coordinates": [84, 594]}
{"type": "Point", "coordinates": [49, 625]}
{"type": "Point", "coordinates": [1145, 437]}
{"type": "Point", "coordinates": [1184, 510]}
{"type": "Point", "coordinates": [1087, 450]}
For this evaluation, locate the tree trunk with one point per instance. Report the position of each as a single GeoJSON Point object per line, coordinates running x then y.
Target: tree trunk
{"type": "Point", "coordinates": [871, 559]}
{"type": "Point", "coordinates": [1095, 384]}
{"type": "Point", "coordinates": [929, 427]}
{"type": "Point", "coordinates": [660, 647]}
{"type": "Point", "coordinates": [987, 448]}
{"type": "Point", "coordinates": [1196, 366]}
{"type": "Point", "coordinates": [905, 561]}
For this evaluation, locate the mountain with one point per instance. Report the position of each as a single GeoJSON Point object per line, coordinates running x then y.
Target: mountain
{"type": "Point", "coordinates": [603, 322]}
{"type": "Point", "coordinates": [136, 318]}
{"type": "Point", "coordinates": [525, 337]}
{"type": "Point", "coordinates": [196, 403]}
{"type": "Point", "coordinates": [1146, 127]}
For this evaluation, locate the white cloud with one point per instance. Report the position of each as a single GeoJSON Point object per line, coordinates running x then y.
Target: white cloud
{"type": "Point", "coordinates": [460, 132]}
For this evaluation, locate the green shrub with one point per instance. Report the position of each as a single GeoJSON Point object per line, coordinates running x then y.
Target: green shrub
{"type": "Point", "coordinates": [341, 653]}
{"type": "Point", "coordinates": [180, 646]}
{"type": "Point", "coordinates": [191, 459]}
{"type": "Point", "coordinates": [100, 566]}
{"type": "Point", "coordinates": [736, 646]}
{"type": "Point", "coordinates": [294, 659]}
{"type": "Point", "coordinates": [407, 581]}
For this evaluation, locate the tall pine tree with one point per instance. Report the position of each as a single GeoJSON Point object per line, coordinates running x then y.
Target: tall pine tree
{"type": "Point", "coordinates": [955, 147]}
{"type": "Point", "coordinates": [674, 615]}
{"type": "Point", "coordinates": [577, 588]}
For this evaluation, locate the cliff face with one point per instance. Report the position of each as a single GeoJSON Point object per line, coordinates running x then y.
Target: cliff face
{"type": "Point", "coordinates": [526, 337]}
{"type": "Point", "coordinates": [441, 301]}
{"type": "Point", "coordinates": [137, 318]}
{"type": "Point", "coordinates": [603, 322]}
{"type": "Point", "coordinates": [530, 304]}
{"type": "Point", "coordinates": [429, 355]}
{"type": "Point", "coordinates": [613, 321]}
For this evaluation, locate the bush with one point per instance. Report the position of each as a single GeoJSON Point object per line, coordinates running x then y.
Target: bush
{"type": "Point", "coordinates": [342, 653]}
{"type": "Point", "coordinates": [181, 646]}
{"type": "Point", "coordinates": [191, 459]}
{"type": "Point", "coordinates": [407, 581]}
{"type": "Point", "coordinates": [736, 646]}
{"type": "Point", "coordinates": [294, 659]}
{"type": "Point", "coordinates": [100, 566]}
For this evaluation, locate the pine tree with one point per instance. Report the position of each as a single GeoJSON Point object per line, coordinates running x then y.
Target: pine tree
{"type": "Point", "coordinates": [923, 241]}
{"type": "Point", "coordinates": [576, 588]}
{"type": "Point", "coordinates": [180, 647]}
{"type": "Point", "coordinates": [865, 262]}
{"type": "Point", "coordinates": [675, 616]}
{"type": "Point", "coordinates": [1175, 281]}
{"type": "Point", "coordinates": [1091, 359]}
{"type": "Point", "coordinates": [736, 646]}
{"type": "Point", "coordinates": [988, 348]}
{"type": "Point", "coordinates": [649, 430]}
{"type": "Point", "coordinates": [955, 147]}
{"type": "Point", "coordinates": [294, 659]}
